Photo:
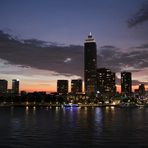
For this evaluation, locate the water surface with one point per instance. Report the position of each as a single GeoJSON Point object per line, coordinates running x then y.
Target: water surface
{"type": "Point", "coordinates": [73, 127]}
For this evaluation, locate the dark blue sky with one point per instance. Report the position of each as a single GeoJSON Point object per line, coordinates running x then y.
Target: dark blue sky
{"type": "Point", "coordinates": [118, 26]}
{"type": "Point", "coordinates": [69, 21]}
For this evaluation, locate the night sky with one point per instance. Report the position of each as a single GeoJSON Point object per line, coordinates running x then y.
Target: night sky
{"type": "Point", "coordinates": [42, 40]}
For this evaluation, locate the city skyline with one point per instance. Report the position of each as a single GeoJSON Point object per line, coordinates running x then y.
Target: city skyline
{"type": "Point", "coordinates": [42, 42]}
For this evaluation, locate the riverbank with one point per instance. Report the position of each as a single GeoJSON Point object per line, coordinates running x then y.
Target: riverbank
{"type": "Point", "coordinates": [12, 104]}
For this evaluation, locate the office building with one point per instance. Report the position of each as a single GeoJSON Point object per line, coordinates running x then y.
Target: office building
{"type": "Point", "coordinates": [76, 86]}
{"type": "Point", "coordinates": [126, 82]}
{"type": "Point", "coordinates": [105, 81]}
{"type": "Point", "coordinates": [90, 64]}
{"type": "Point", "coordinates": [15, 86]}
{"type": "Point", "coordinates": [62, 86]}
{"type": "Point", "coordinates": [3, 86]}
{"type": "Point", "coordinates": [141, 89]}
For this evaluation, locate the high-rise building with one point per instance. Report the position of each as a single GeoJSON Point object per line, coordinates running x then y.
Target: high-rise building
{"type": "Point", "coordinates": [126, 82]}
{"type": "Point", "coordinates": [76, 86]}
{"type": "Point", "coordinates": [15, 86]}
{"type": "Point", "coordinates": [105, 81]}
{"type": "Point", "coordinates": [141, 89]}
{"type": "Point", "coordinates": [3, 86]}
{"type": "Point", "coordinates": [90, 65]}
{"type": "Point", "coordinates": [62, 86]}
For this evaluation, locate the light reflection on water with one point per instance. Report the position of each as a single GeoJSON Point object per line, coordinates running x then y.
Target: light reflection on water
{"type": "Point", "coordinates": [98, 115]}
{"type": "Point", "coordinates": [73, 127]}
{"type": "Point", "coordinates": [98, 122]}
{"type": "Point", "coordinates": [27, 108]}
{"type": "Point", "coordinates": [34, 110]}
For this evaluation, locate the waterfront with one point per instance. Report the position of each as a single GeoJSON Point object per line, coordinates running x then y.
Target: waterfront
{"type": "Point", "coordinates": [54, 127]}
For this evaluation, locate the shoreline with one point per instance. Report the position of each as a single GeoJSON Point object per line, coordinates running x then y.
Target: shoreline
{"type": "Point", "coordinates": [72, 106]}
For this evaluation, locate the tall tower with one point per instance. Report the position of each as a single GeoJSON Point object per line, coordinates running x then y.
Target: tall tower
{"type": "Point", "coordinates": [90, 65]}
{"type": "Point", "coordinates": [15, 86]}
{"type": "Point", "coordinates": [126, 82]}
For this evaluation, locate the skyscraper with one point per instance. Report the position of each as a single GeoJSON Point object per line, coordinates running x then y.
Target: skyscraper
{"type": "Point", "coordinates": [62, 86]}
{"type": "Point", "coordinates": [90, 65]}
{"type": "Point", "coordinates": [3, 86]}
{"type": "Point", "coordinates": [126, 82]}
{"type": "Point", "coordinates": [15, 86]}
{"type": "Point", "coordinates": [141, 89]}
{"type": "Point", "coordinates": [105, 81]}
{"type": "Point", "coordinates": [76, 86]}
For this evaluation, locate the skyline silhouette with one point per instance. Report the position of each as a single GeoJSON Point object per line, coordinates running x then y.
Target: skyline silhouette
{"type": "Point", "coordinates": [41, 42]}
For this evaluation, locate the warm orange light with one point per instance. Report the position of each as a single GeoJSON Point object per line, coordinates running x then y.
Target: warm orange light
{"type": "Point", "coordinates": [38, 88]}
{"type": "Point", "coordinates": [52, 88]}
{"type": "Point", "coordinates": [133, 87]}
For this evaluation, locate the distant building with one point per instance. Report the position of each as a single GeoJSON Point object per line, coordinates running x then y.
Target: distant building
{"type": "Point", "coordinates": [15, 86]}
{"type": "Point", "coordinates": [105, 81]}
{"type": "Point", "coordinates": [90, 65]}
{"type": "Point", "coordinates": [126, 82]}
{"type": "Point", "coordinates": [141, 89]}
{"type": "Point", "coordinates": [62, 86]}
{"type": "Point", "coordinates": [136, 91]}
{"type": "Point", "coordinates": [3, 86]}
{"type": "Point", "coordinates": [76, 86]}
{"type": "Point", "coordinates": [23, 93]}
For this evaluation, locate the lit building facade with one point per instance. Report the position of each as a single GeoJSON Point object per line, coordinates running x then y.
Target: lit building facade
{"type": "Point", "coordinates": [126, 82]}
{"type": "Point", "coordinates": [62, 86]}
{"type": "Point", "coordinates": [15, 86]}
{"type": "Point", "coordinates": [106, 81]}
{"type": "Point", "coordinates": [3, 86]}
{"type": "Point", "coordinates": [76, 86]}
{"type": "Point", "coordinates": [90, 65]}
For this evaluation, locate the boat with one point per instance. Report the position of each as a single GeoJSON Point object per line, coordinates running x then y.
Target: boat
{"type": "Point", "coordinates": [71, 105]}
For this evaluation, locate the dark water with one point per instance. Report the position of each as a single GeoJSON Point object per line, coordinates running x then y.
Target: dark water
{"type": "Point", "coordinates": [73, 128]}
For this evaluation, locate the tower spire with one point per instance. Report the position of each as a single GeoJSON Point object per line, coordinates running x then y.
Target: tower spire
{"type": "Point", "coordinates": [90, 35]}
{"type": "Point", "coordinates": [90, 38]}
